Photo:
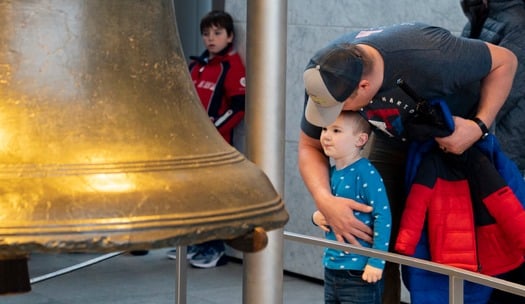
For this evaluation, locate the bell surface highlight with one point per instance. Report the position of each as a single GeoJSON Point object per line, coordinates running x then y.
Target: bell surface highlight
{"type": "Point", "coordinates": [104, 145]}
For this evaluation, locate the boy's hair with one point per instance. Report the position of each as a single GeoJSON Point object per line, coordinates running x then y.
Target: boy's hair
{"type": "Point", "coordinates": [359, 122]}
{"type": "Point", "coordinates": [220, 19]}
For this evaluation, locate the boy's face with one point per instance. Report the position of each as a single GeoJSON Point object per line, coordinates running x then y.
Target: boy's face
{"type": "Point", "coordinates": [339, 139]}
{"type": "Point", "coordinates": [216, 39]}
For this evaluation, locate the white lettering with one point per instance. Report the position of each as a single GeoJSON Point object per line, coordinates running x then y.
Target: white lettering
{"type": "Point", "coordinates": [206, 85]}
{"type": "Point", "coordinates": [398, 103]}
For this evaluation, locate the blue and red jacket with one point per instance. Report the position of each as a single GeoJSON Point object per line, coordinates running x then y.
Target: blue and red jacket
{"type": "Point", "coordinates": [471, 204]}
{"type": "Point", "coordinates": [473, 219]}
{"type": "Point", "coordinates": [433, 288]}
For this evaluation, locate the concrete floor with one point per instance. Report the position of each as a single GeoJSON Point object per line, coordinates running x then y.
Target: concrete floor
{"type": "Point", "coordinates": [144, 279]}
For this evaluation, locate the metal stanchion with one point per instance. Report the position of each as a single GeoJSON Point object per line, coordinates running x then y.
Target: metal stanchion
{"type": "Point", "coordinates": [181, 272]}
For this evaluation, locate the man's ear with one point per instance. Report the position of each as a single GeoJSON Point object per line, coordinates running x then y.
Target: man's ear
{"type": "Point", "coordinates": [363, 84]}
{"type": "Point", "coordinates": [362, 139]}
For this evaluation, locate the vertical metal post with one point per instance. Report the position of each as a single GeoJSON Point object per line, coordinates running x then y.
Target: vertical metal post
{"type": "Point", "coordinates": [265, 125]}
{"type": "Point", "coordinates": [181, 269]}
{"type": "Point", "coordinates": [455, 292]}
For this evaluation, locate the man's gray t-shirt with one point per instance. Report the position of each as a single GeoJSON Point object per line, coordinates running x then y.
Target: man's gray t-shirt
{"type": "Point", "coordinates": [432, 61]}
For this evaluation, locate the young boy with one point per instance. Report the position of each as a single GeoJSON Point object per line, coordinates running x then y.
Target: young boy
{"type": "Point", "coordinates": [219, 78]}
{"type": "Point", "coordinates": [351, 278]}
{"type": "Point", "coordinates": [219, 74]}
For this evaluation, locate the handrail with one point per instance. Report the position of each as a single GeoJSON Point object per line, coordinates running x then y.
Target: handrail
{"type": "Point", "coordinates": [456, 275]}
{"type": "Point", "coordinates": [75, 267]}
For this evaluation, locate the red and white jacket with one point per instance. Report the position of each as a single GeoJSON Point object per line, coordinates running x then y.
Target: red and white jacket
{"type": "Point", "coordinates": [221, 85]}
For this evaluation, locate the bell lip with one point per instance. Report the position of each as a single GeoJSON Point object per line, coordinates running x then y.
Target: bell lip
{"type": "Point", "coordinates": [135, 237]}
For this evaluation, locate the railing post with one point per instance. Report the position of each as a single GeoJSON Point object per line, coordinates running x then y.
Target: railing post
{"type": "Point", "coordinates": [181, 273]}
{"type": "Point", "coordinates": [455, 287]}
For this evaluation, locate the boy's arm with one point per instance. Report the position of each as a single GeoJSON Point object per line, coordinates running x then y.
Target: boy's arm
{"type": "Point", "coordinates": [233, 116]}
{"type": "Point", "coordinates": [320, 221]}
{"type": "Point", "coordinates": [234, 90]}
{"type": "Point", "coordinates": [375, 193]}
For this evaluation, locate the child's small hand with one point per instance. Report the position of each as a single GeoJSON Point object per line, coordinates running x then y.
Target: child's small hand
{"type": "Point", "coordinates": [372, 274]}
{"type": "Point", "coordinates": [319, 219]}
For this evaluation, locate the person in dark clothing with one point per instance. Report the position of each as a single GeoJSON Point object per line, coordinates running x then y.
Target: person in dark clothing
{"type": "Point", "coordinates": [502, 22]}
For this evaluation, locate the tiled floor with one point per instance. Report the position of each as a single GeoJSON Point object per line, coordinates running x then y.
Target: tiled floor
{"type": "Point", "coordinates": [144, 279]}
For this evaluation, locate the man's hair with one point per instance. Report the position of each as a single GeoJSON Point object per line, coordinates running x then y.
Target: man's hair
{"type": "Point", "coordinates": [359, 122]}
{"type": "Point", "coordinates": [220, 19]}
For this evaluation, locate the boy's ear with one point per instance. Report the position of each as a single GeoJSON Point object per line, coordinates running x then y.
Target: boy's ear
{"type": "Point", "coordinates": [362, 139]}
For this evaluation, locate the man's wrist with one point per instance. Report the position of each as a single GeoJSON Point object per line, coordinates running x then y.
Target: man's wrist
{"type": "Point", "coordinates": [482, 126]}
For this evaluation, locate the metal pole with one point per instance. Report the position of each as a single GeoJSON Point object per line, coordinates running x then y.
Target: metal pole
{"type": "Point", "coordinates": [74, 267]}
{"type": "Point", "coordinates": [265, 125]}
{"type": "Point", "coordinates": [455, 285]}
{"type": "Point", "coordinates": [181, 271]}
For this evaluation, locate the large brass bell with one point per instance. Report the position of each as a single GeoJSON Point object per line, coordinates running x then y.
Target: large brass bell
{"type": "Point", "coordinates": [104, 145]}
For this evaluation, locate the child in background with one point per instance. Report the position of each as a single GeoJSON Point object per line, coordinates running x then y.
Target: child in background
{"type": "Point", "coordinates": [351, 278]}
{"type": "Point", "coordinates": [219, 78]}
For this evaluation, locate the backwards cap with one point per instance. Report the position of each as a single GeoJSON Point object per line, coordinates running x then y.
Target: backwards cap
{"type": "Point", "coordinates": [330, 77]}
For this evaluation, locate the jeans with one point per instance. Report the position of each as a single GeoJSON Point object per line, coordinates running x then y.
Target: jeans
{"type": "Point", "coordinates": [347, 287]}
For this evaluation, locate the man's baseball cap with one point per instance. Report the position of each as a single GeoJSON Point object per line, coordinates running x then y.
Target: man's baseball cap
{"type": "Point", "coordinates": [330, 77]}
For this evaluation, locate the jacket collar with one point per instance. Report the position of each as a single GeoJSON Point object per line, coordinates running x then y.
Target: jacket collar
{"type": "Point", "coordinates": [204, 57]}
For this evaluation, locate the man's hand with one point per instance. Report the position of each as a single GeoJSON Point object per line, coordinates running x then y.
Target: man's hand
{"type": "Point", "coordinates": [372, 274]}
{"type": "Point", "coordinates": [465, 134]}
{"type": "Point", "coordinates": [338, 212]}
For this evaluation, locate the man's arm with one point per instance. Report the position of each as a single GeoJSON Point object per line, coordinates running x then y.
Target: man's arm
{"type": "Point", "coordinates": [495, 88]}
{"type": "Point", "coordinates": [338, 211]}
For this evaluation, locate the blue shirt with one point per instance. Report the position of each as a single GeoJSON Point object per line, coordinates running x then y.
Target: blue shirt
{"type": "Point", "coordinates": [363, 183]}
